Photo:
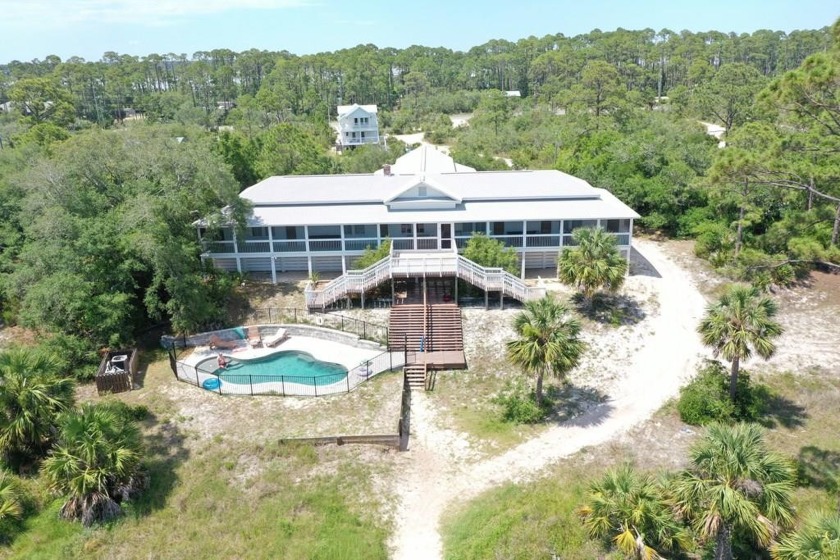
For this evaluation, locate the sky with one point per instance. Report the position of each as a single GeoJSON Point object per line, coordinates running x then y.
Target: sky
{"type": "Point", "coordinates": [31, 29]}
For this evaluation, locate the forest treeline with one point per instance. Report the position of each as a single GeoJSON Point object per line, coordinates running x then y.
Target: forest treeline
{"type": "Point", "coordinates": [647, 62]}
{"type": "Point", "coordinates": [104, 166]}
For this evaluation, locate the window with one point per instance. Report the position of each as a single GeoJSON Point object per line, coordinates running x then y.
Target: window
{"type": "Point", "coordinates": [360, 231]}
{"type": "Point", "coordinates": [396, 230]}
{"type": "Point", "coordinates": [617, 226]}
{"type": "Point", "coordinates": [570, 225]}
{"type": "Point", "coordinates": [468, 228]}
{"type": "Point", "coordinates": [363, 134]}
{"type": "Point", "coordinates": [421, 192]}
{"type": "Point", "coordinates": [355, 120]}
{"type": "Point", "coordinates": [259, 233]}
{"type": "Point", "coordinates": [287, 232]}
{"type": "Point", "coordinates": [426, 230]}
{"type": "Point", "coordinates": [507, 228]}
{"type": "Point", "coordinates": [324, 232]}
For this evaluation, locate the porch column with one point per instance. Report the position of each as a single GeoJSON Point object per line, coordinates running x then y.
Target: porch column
{"type": "Point", "coordinates": [343, 256]}
{"type": "Point", "coordinates": [308, 252]}
{"type": "Point", "coordinates": [236, 252]}
{"type": "Point", "coordinates": [271, 258]}
{"type": "Point", "coordinates": [524, 244]}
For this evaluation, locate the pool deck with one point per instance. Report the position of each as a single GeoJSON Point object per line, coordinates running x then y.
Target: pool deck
{"type": "Point", "coordinates": [345, 355]}
{"type": "Point", "coordinates": [320, 349]}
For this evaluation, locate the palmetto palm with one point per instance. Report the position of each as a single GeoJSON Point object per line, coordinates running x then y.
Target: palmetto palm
{"type": "Point", "coordinates": [818, 539]}
{"type": "Point", "coordinates": [633, 510]}
{"type": "Point", "coordinates": [735, 483]}
{"type": "Point", "coordinates": [738, 324]}
{"type": "Point", "coordinates": [11, 497]}
{"type": "Point", "coordinates": [96, 463]}
{"type": "Point", "coordinates": [593, 264]}
{"type": "Point", "coordinates": [31, 397]}
{"type": "Point", "coordinates": [548, 341]}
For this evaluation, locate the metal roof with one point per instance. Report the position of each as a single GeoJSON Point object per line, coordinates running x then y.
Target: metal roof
{"type": "Point", "coordinates": [426, 159]}
{"type": "Point", "coordinates": [603, 206]}
{"type": "Point", "coordinates": [481, 185]}
{"type": "Point", "coordinates": [457, 196]}
{"type": "Point", "coordinates": [343, 110]}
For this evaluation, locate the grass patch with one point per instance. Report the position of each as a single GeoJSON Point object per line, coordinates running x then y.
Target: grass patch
{"type": "Point", "coordinates": [269, 505]}
{"type": "Point", "coordinates": [235, 492]}
{"type": "Point", "coordinates": [538, 519]}
{"type": "Point", "coordinates": [532, 520]}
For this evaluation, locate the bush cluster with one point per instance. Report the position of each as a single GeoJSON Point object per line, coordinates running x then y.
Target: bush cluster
{"type": "Point", "coordinates": [519, 405]}
{"type": "Point", "coordinates": [706, 398]}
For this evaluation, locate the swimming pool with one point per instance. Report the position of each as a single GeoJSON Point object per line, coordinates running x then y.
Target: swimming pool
{"type": "Point", "coordinates": [292, 366]}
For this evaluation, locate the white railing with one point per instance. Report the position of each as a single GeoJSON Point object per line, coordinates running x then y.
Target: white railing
{"type": "Point", "coordinates": [430, 263]}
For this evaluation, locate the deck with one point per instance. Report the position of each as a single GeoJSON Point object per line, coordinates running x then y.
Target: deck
{"type": "Point", "coordinates": [443, 359]}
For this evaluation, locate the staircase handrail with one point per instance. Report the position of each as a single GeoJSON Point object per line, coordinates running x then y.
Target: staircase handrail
{"type": "Point", "coordinates": [357, 281]}
{"type": "Point", "coordinates": [352, 281]}
{"type": "Point", "coordinates": [496, 278]}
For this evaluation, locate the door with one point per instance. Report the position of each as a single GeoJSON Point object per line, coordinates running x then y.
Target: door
{"type": "Point", "coordinates": [445, 236]}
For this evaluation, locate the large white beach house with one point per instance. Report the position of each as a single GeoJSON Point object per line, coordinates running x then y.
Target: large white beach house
{"type": "Point", "coordinates": [428, 205]}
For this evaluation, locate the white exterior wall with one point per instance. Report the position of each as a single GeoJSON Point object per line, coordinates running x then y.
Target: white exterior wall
{"type": "Point", "coordinates": [540, 250]}
{"type": "Point", "coordinates": [353, 131]}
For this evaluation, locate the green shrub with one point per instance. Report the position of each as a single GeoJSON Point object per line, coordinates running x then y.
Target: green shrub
{"type": "Point", "coordinates": [706, 398]}
{"type": "Point", "coordinates": [519, 405]}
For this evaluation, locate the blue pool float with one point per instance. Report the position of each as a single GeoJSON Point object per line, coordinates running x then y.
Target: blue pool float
{"type": "Point", "coordinates": [212, 384]}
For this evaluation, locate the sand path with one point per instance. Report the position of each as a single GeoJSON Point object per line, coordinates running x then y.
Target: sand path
{"type": "Point", "coordinates": [435, 474]}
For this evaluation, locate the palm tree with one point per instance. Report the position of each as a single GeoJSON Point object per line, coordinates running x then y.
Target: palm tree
{"type": "Point", "coordinates": [548, 341]}
{"type": "Point", "coordinates": [633, 509]}
{"type": "Point", "coordinates": [738, 324]}
{"type": "Point", "coordinates": [818, 539]}
{"type": "Point", "coordinates": [31, 397]}
{"type": "Point", "coordinates": [11, 497]}
{"type": "Point", "coordinates": [593, 264]}
{"type": "Point", "coordinates": [96, 463]}
{"type": "Point", "coordinates": [736, 484]}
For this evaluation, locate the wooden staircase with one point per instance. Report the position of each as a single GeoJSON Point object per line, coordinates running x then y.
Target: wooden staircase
{"type": "Point", "coordinates": [444, 328]}
{"type": "Point", "coordinates": [428, 333]}
{"type": "Point", "coordinates": [416, 375]}
{"type": "Point", "coordinates": [407, 327]}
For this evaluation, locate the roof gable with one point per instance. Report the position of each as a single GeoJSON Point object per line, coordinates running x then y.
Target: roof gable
{"type": "Point", "coordinates": [422, 188]}
{"type": "Point", "coordinates": [345, 111]}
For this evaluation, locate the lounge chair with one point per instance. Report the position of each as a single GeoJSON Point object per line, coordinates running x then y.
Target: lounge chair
{"type": "Point", "coordinates": [276, 338]}
{"type": "Point", "coordinates": [254, 337]}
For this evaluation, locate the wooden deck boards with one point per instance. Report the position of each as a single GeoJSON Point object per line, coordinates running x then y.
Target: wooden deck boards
{"type": "Point", "coordinates": [449, 359]}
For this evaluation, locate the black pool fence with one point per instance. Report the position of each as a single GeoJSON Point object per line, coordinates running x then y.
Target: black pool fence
{"type": "Point", "coordinates": [273, 316]}
{"type": "Point", "coordinates": [365, 329]}
{"type": "Point", "coordinates": [204, 374]}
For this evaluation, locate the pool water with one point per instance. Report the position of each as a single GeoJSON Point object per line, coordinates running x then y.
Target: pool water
{"type": "Point", "coordinates": [290, 365]}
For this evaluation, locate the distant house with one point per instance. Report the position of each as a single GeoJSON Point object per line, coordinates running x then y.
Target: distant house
{"type": "Point", "coordinates": [225, 105]}
{"type": "Point", "coordinates": [513, 93]}
{"type": "Point", "coordinates": [6, 107]}
{"type": "Point", "coordinates": [357, 124]}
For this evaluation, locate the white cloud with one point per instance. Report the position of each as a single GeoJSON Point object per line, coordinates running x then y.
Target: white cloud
{"type": "Point", "coordinates": [143, 12]}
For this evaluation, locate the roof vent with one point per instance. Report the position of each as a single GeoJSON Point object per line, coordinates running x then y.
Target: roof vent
{"type": "Point", "coordinates": [386, 170]}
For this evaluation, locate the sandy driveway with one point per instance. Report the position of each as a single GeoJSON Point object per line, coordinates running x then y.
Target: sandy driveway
{"type": "Point", "coordinates": [436, 476]}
